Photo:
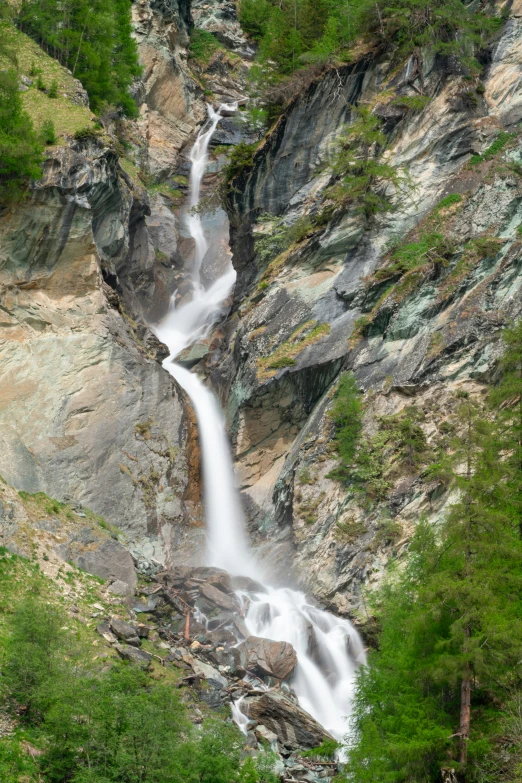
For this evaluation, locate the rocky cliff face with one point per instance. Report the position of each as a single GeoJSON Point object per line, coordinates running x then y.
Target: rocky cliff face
{"type": "Point", "coordinates": [87, 411]}
{"type": "Point", "coordinates": [328, 303]}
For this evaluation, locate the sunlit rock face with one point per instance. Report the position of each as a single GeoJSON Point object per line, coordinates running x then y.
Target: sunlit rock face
{"type": "Point", "coordinates": [87, 412]}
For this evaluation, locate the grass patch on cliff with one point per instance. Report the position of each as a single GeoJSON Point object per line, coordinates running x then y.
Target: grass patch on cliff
{"type": "Point", "coordinates": [48, 76]}
{"type": "Point", "coordinates": [286, 354]}
{"type": "Point", "coordinates": [203, 45]}
{"type": "Point", "coordinates": [497, 146]}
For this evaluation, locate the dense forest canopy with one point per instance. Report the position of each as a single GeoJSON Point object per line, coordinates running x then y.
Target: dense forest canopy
{"type": "Point", "coordinates": [293, 33]}
{"type": "Point", "coordinates": [93, 39]}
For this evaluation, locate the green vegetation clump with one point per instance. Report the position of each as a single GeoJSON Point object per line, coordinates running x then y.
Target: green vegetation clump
{"type": "Point", "coordinates": [203, 45]}
{"type": "Point", "coordinates": [21, 151]}
{"type": "Point", "coordinates": [278, 237]}
{"type": "Point", "coordinates": [240, 159]}
{"type": "Point", "coordinates": [48, 132]}
{"type": "Point", "coordinates": [285, 355]}
{"type": "Point", "coordinates": [346, 414]}
{"type": "Point", "coordinates": [97, 721]}
{"type": "Point", "coordinates": [369, 465]}
{"type": "Point", "coordinates": [497, 146]}
{"type": "Point", "coordinates": [363, 178]}
{"type": "Point", "coordinates": [431, 248]}
{"type": "Point", "coordinates": [293, 34]}
{"type": "Point", "coordinates": [93, 38]}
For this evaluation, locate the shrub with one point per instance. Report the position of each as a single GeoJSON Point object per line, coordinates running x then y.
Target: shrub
{"type": "Point", "coordinates": [203, 45]}
{"type": "Point", "coordinates": [241, 159]}
{"type": "Point", "coordinates": [53, 89]}
{"type": "Point", "coordinates": [48, 132]}
{"type": "Point", "coordinates": [346, 414]}
{"type": "Point", "coordinates": [362, 177]}
{"type": "Point", "coordinates": [84, 134]}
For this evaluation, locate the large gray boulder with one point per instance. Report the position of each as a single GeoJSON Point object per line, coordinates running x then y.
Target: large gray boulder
{"type": "Point", "coordinates": [294, 727]}
{"type": "Point", "coordinates": [109, 560]}
{"type": "Point", "coordinates": [265, 657]}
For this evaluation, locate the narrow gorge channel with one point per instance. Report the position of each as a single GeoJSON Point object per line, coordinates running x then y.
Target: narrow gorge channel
{"type": "Point", "coordinates": [328, 648]}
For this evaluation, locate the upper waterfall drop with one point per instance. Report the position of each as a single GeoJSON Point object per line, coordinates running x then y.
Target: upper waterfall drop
{"type": "Point", "coordinates": [323, 679]}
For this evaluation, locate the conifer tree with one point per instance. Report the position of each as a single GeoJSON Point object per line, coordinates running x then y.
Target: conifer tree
{"type": "Point", "coordinates": [451, 629]}
{"type": "Point", "coordinates": [506, 400]}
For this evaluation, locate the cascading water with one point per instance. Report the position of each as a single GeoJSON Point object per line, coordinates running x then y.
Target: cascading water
{"type": "Point", "coordinates": [328, 648]}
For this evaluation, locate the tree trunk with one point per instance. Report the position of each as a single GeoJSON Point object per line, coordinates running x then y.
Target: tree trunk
{"type": "Point", "coordinates": [465, 715]}
{"type": "Point", "coordinates": [449, 775]}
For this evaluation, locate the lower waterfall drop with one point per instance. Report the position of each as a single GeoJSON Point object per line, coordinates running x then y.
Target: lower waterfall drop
{"type": "Point", "coordinates": [323, 682]}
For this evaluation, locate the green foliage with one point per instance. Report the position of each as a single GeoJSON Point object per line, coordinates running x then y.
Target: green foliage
{"type": "Point", "coordinates": [21, 152]}
{"type": "Point", "coordinates": [451, 620]}
{"type": "Point", "coordinates": [83, 134]}
{"type": "Point", "coordinates": [203, 45]}
{"type": "Point", "coordinates": [498, 145]}
{"type": "Point", "coordinates": [294, 33]}
{"type": "Point", "coordinates": [413, 102]}
{"type": "Point", "coordinates": [48, 132]}
{"type": "Point", "coordinates": [368, 465]}
{"type": "Point", "coordinates": [240, 159]}
{"type": "Point", "coordinates": [93, 38]}
{"type": "Point", "coordinates": [280, 362]}
{"type": "Point", "coordinates": [448, 201]}
{"type": "Point", "coordinates": [53, 90]}
{"type": "Point", "coordinates": [363, 179]}
{"type": "Point", "coordinates": [117, 725]}
{"type": "Point", "coordinates": [346, 414]}
{"type": "Point", "coordinates": [431, 248]}
{"type": "Point", "coordinates": [326, 750]}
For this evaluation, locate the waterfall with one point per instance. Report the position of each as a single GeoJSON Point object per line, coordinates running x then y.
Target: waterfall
{"type": "Point", "coordinates": [328, 648]}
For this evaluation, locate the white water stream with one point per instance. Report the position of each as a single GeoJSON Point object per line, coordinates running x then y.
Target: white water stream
{"type": "Point", "coordinates": [328, 648]}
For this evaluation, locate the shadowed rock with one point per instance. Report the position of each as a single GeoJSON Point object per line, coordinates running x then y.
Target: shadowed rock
{"type": "Point", "coordinates": [292, 725]}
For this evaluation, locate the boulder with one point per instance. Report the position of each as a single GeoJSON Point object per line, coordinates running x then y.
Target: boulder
{"type": "Point", "coordinates": [133, 655]}
{"type": "Point", "coordinates": [292, 725]}
{"type": "Point", "coordinates": [265, 657]}
{"type": "Point", "coordinates": [218, 597]}
{"type": "Point", "coordinates": [120, 588]}
{"type": "Point", "coordinates": [205, 670]}
{"type": "Point", "coordinates": [109, 559]}
{"type": "Point", "coordinates": [125, 632]}
{"type": "Point", "coordinates": [247, 584]}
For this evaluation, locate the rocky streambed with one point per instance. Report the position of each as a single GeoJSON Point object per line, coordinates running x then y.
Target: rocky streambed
{"type": "Point", "coordinates": [192, 620]}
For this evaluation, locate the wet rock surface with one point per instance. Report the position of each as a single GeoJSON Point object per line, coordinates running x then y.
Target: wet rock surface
{"type": "Point", "coordinates": [267, 658]}
{"type": "Point", "coordinates": [293, 727]}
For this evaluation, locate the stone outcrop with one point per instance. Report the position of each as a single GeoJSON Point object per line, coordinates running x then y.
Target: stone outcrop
{"type": "Point", "coordinates": [265, 657]}
{"type": "Point", "coordinates": [172, 104]}
{"type": "Point", "coordinates": [293, 727]}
